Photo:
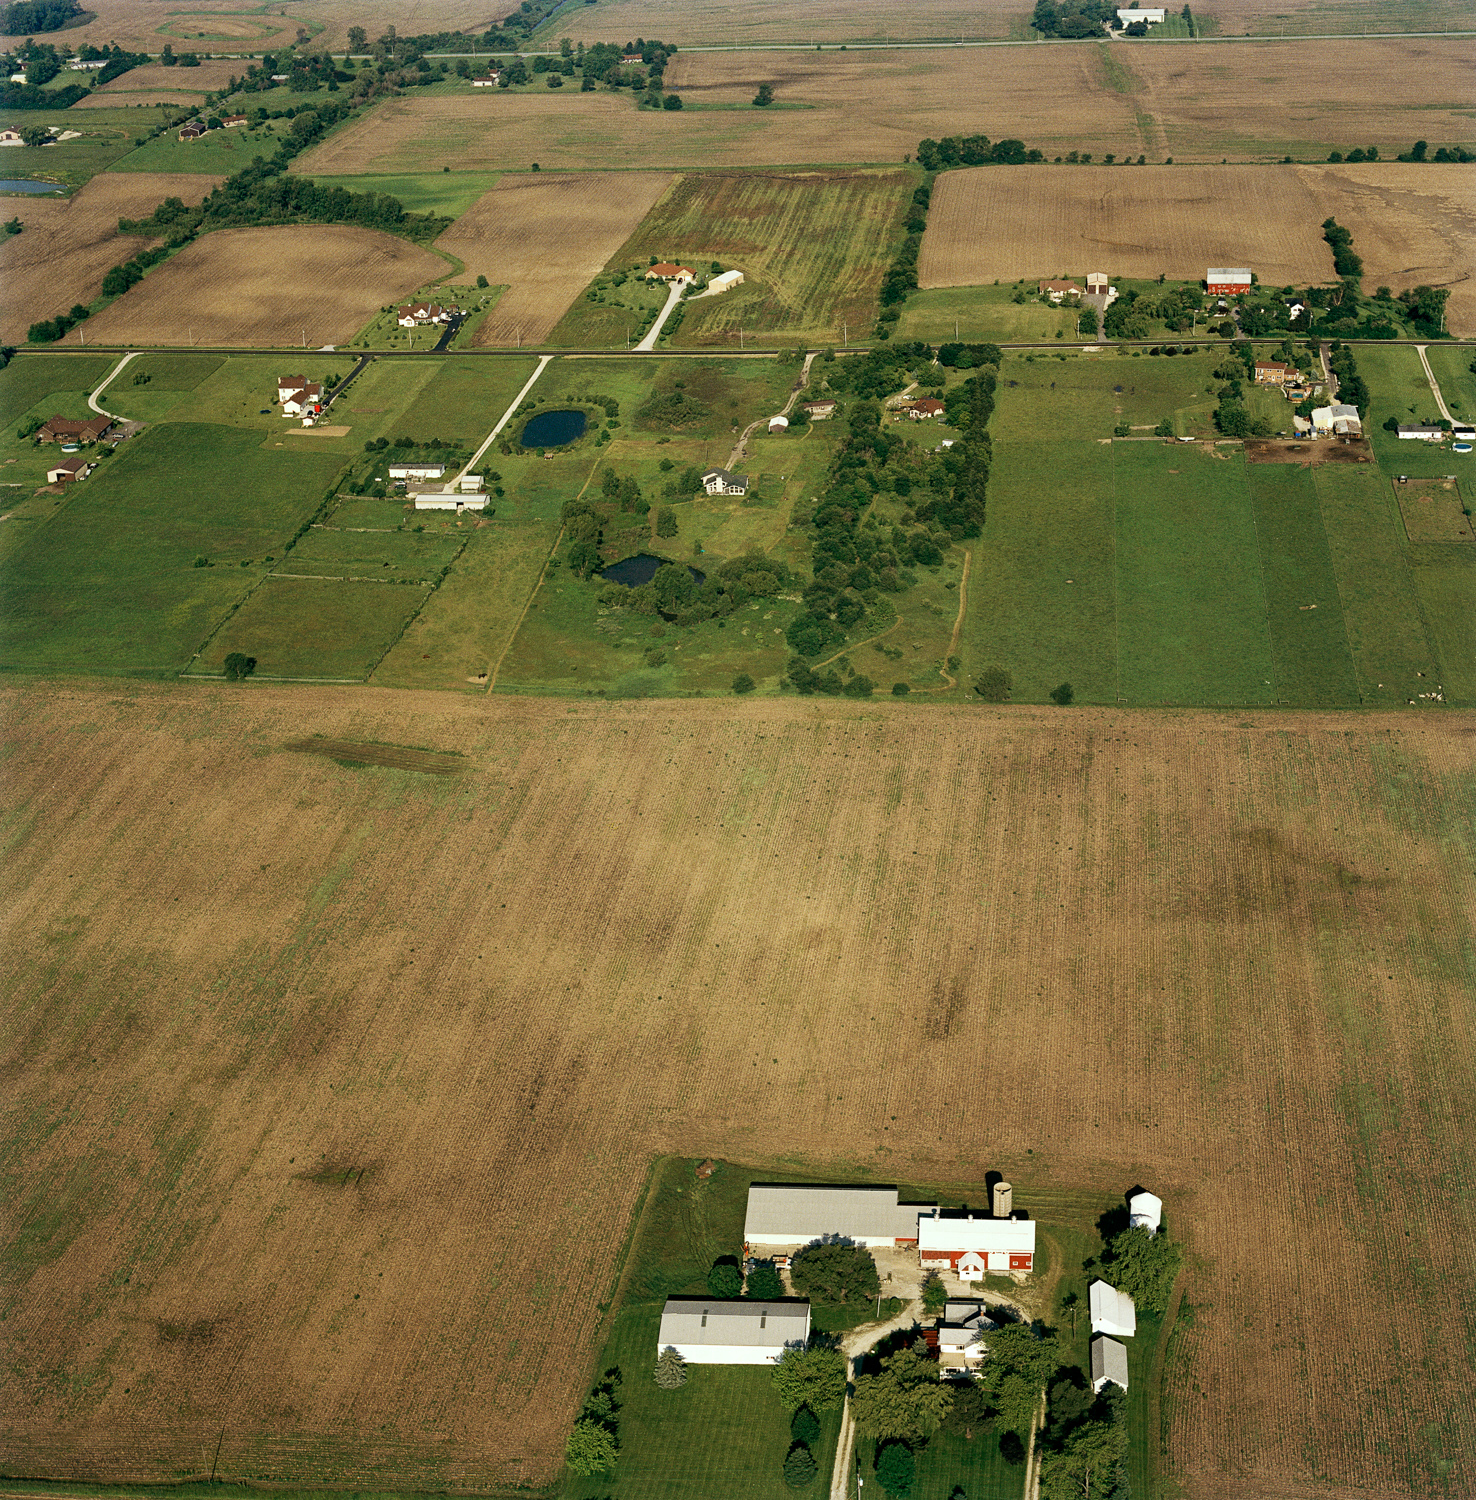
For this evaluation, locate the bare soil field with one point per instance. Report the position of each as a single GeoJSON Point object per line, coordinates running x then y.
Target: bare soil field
{"type": "Point", "coordinates": [546, 236]}
{"type": "Point", "coordinates": [234, 287]}
{"type": "Point", "coordinates": [183, 99]}
{"type": "Point", "coordinates": [206, 79]}
{"type": "Point", "coordinates": [1432, 511]}
{"type": "Point", "coordinates": [1411, 224]}
{"type": "Point", "coordinates": [327, 1086]}
{"type": "Point", "coordinates": [68, 245]}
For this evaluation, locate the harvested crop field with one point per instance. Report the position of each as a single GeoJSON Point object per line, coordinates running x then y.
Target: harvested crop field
{"type": "Point", "coordinates": [546, 236]}
{"type": "Point", "coordinates": [812, 247]}
{"type": "Point", "coordinates": [315, 1110]}
{"type": "Point", "coordinates": [711, 22]}
{"type": "Point", "coordinates": [69, 244]}
{"type": "Point", "coordinates": [229, 287]}
{"type": "Point", "coordinates": [205, 79]}
{"type": "Point", "coordinates": [1410, 223]}
{"type": "Point", "coordinates": [180, 97]}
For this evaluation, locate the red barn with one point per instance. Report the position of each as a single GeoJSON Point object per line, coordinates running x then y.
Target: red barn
{"type": "Point", "coordinates": [1227, 280]}
{"type": "Point", "coordinates": [970, 1246]}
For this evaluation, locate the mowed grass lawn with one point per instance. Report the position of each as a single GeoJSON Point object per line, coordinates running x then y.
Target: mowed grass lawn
{"type": "Point", "coordinates": [987, 314]}
{"type": "Point", "coordinates": [109, 583]}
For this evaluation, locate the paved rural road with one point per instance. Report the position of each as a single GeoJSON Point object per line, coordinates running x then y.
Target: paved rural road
{"type": "Point", "coordinates": [673, 296]}
{"type": "Point", "coordinates": [1434, 384]}
{"type": "Point", "coordinates": [92, 399]}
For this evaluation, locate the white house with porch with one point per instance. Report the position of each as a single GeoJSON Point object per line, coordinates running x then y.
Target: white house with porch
{"type": "Point", "coordinates": [709, 1331]}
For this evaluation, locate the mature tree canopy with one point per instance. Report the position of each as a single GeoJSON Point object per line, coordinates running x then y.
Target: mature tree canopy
{"type": "Point", "coordinates": [1021, 1362]}
{"type": "Point", "coordinates": [834, 1272]}
{"type": "Point", "coordinates": [725, 1279]}
{"type": "Point", "coordinates": [896, 1469]}
{"type": "Point", "coordinates": [591, 1448]}
{"type": "Point", "coordinates": [1144, 1265]}
{"type": "Point", "coordinates": [906, 1400]}
{"type": "Point", "coordinates": [763, 1280]}
{"type": "Point", "coordinates": [810, 1377]}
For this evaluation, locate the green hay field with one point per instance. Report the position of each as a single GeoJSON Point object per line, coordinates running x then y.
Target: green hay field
{"type": "Point", "coordinates": [987, 314]}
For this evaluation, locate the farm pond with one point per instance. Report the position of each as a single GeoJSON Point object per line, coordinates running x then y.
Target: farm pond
{"type": "Point", "coordinates": [550, 429]}
{"type": "Point", "coordinates": [27, 185]}
{"type": "Point", "coordinates": [640, 569]}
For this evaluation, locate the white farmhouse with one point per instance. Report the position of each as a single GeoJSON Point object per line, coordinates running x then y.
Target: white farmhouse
{"type": "Point", "coordinates": [796, 1213]}
{"type": "Point", "coordinates": [1112, 1311]}
{"type": "Point", "coordinates": [969, 1245]}
{"type": "Point", "coordinates": [1146, 1211]}
{"type": "Point", "coordinates": [721, 482]}
{"type": "Point", "coordinates": [707, 1331]}
{"type": "Point", "coordinates": [1109, 1363]}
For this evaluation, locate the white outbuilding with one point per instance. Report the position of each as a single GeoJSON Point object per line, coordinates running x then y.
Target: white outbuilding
{"type": "Point", "coordinates": [1109, 1363]}
{"type": "Point", "coordinates": [440, 500]}
{"type": "Point", "coordinates": [1146, 1211]}
{"type": "Point", "coordinates": [778, 424]}
{"type": "Point", "coordinates": [416, 471]}
{"type": "Point", "coordinates": [796, 1213]}
{"type": "Point", "coordinates": [1152, 17]}
{"type": "Point", "coordinates": [725, 282]}
{"type": "Point", "coordinates": [708, 1331]}
{"type": "Point", "coordinates": [1112, 1311]}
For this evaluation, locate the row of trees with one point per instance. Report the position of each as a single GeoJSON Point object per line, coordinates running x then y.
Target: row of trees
{"type": "Point", "coordinates": [901, 279]}
{"type": "Point", "coordinates": [973, 151]}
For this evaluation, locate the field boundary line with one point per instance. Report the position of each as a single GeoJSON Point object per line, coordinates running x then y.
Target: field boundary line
{"type": "Point", "coordinates": [1155, 1381]}
{"type": "Point", "coordinates": [512, 634]}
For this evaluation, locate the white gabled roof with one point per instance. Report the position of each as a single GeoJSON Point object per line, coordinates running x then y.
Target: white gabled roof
{"type": "Point", "coordinates": [1145, 1208]}
{"type": "Point", "coordinates": [804, 1212]}
{"type": "Point", "coordinates": [688, 1321]}
{"type": "Point", "coordinates": [1112, 1311]}
{"type": "Point", "coordinates": [1016, 1236]}
{"type": "Point", "coordinates": [1228, 273]}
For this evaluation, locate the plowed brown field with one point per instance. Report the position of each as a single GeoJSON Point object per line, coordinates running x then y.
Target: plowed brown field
{"type": "Point", "coordinates": [1410, 223]}
{"type": "Point", "coordinates": [68, 245]}
{"type": "Point", "coordinates": [330, 1091]}
{"type": "Point", "coordinates": [206, 79]}
{"type": "Point", "coordinates": [260, 287]}
{"type": "Point", "coordinates": [547, 237]}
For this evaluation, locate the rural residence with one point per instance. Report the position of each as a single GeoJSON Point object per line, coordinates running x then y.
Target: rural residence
{"type": "Point", "coordinates": [192, 132]}
{"type": "Point", "coordinates": [1112, 1311]}
{"type": "Point", "coordinates": [778, 424]}
{"type": "Point", "coordinates": [69, 469]}
{"type": "Point", "coordinates": [416, 471]}
{"type": "Point", "coordinates": [1271, 373]}
{"type": "Point", "coordinates": [1229, 281]}
{"type": "Point", "coordinates": [663, 270]}
{"type": "Point", "coordinates": [1145, 1211]}
{"type": "Point", "coordinates": [308, 401]}
{"type": "Point", "coordinates": [819, 411]}
{"type": "Point", "coordinates": [1058, 291]}
{"type": "Point", "coordinates": [287, 384]}
{"type": "Point", "coordinates": [421, 312]}
{"type": "Point", "coordinates": [1109, 1363]}
{"type": "Point", "coordinates": [721, 482]}
{"type": "Point", "coordinates": [1336, 421]}
{"type": "Point", "coordinates": [11, 138]}
{"type": "Point", "coordinates": [970, 1245]}
{"type": "Point", "coordinates": [922, 411]}
{"type": "Point", "coordinates": [66, 430]}
{"type": "Point", "coordinates": [1422, 432]}
{"type": "Point", "coordinates": [705, 1331]}
{"type": "Point", "coordinates": [231, 122]}
{"type": "Point", "coordinates": [487, 81]}
{"type": "Point", "coordinates": [796, 1213]}
{"type": "Point", "coordinates": [958, 1338]}
{"type": "Point", "coordinates": [726, 281]}
{"type": "Point", "coordinates": [1463, 433]}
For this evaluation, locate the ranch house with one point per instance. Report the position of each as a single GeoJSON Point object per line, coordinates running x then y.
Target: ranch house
{"type": "Point", "coordinates": [487, 81]}
{"type": "Point", "coordinates": [231, 122]}
{"type": "Point", "coordinates": [970, 1246]}
{"type": "Point", "coordinates": [1151, 17]}
{"type": "Point", "coordinates": [1112, 1311]}
{"type": "Point", "coordinates": [1228, 281]}
{"type": "Point", "coordinates": [796, 1213]}
{"type": "Point", "coordinates": [664, 270]}
{"type": "Point", "coordinates": [705, 1331]}
{"type": "Point", "coordinates": [1272, 373]}
{"type": "Point", "coordinates": [726, 281]}
{"type": "Point", "coordinates": [1422, 432]}
{"type": "Point", "coordinates": [1058, 291]}
{"type": "Point", "coordinates": [66, 430]}
{"type": "Point", "coordinates": [1109, 1363]}
{"type": "Point", "coordinates": [721, 482]}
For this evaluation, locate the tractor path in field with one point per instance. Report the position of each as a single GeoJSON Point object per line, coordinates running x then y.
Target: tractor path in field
{"type": "Point", "coordinates": [741, 447]}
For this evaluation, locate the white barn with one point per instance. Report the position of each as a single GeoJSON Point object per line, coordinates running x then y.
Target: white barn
{"type": "Point", "coordinates": [440, 500]}
{"type": "Point", "coordinates": [416, 471]}
{"type": "Point", "coordinates": [1152, 17]}
{"type": "Point", "coordinates": [1109, 1363]}
{"type": "Point", "coordinates": [707, 1331]}
{"type": "Point", "coordinates": [794, 1214]}
{"type": "Point", "coordinates": [725, 282]}
{"type": "Point", "coordinates": [970, 1246]}
{"type": "Point", "coordinates": [1146, 1211]}
{"type": "Point", "coordinates": [1112, 1311]}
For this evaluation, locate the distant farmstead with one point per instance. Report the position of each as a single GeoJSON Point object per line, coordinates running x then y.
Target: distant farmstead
{"type": "Point", "coordinates": [1227, 280]}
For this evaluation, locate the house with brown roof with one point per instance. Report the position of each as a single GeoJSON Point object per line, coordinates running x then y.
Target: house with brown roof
{"type": "Point", "coordinates": [664, 270]}
{"type": "Point", "coordinates": [232, 121]}
{"type": "Point", "coordinates": [421, 312]}
{"type": "Point", "coordinates": [922, 411]}
{"type": "Point", "coordinates": [303, 402]}
{"type": "Point", "coordinates": [1270, 372]}
{"type": "Point", "coordinates": [68, 469]}
{"type": "Point", "coordinates": [67, 430]}
{"type": "Point", "coordinates": [1058, 291]}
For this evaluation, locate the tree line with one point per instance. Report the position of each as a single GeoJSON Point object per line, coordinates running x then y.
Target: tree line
{"type": "Point", "coordinates": [27, 16]}
{"type": "Point", "coordinates": [973, 151]}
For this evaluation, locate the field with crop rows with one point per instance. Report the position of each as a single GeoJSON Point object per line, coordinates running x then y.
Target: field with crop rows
{"type": "Point", "coordinates": [545, 236]}
{"type": "Point", "coordinates": [438, 1025]}
{"type": "Point", "coordinates": [1409, 223]}
{"type": "Point", "coordinates": [291, 285]}
{"type": "Point", "coordinates": [68, 244]}
{"type": "Point", "coordinates": [812, 247]}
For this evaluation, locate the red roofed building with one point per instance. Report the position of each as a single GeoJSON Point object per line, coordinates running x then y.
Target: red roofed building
{"type": "Point", "coordinates": [664, 270]}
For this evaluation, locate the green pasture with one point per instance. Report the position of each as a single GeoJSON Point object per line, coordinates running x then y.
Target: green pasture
{"type": "Point", "coordinates": [152, 386]}
{"type": "Point", "coordinates": [107, 135]}
{"type": "Point", "coordinates": [446, 193]}
{"type": "Point", "coordinates": [392, 556]}
{"type": "Point", "coordinates": [298, 627]}
{"type": "Point", "coordinates": [948, 1461]}
{"type": "Point", "coordinates": [1457, 379]}
{"type": "Point", "coordinates": [986, 314]}
{"type": "Point", "coordinates": [233, 394]}
{"type": "Point", "coordinates": [462, 400]}
{"type": "Point", "coordinates": [59, 383]}
{"type": "Point", "coordinates": [222, 152]}
{"type": "Point", "coordinates": [109, 582]}
{"type": "Point", "coordinates": [605, 316]}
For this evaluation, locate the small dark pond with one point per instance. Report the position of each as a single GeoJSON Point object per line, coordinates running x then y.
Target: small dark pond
{"type": "Point", "coordinates": [634, 571]}
{"type": "Point", "coordinates": [550, 429]}
{"type": "Point", "coordinates": [26, 185]}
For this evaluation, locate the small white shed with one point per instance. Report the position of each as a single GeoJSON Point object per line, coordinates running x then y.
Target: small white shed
{"type": "Point", "coordinates": [1112, 1311]}
{"type": "Point", "coordinates": [778, 424]}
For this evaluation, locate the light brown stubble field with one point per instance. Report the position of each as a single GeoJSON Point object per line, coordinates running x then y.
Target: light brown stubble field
{"type": "Point", "coordinates": [205, 79]}
{"type": "Point", "coordinates": [69, 244]}
{"type": "Point", "coordinates": [327, 1089]}
{"type": "Point", "coordinates": [1412, 224]}
{"type": "Point", "coordinates": [256, 288]}
{"type": "Point", "coordinates": [546, 237]}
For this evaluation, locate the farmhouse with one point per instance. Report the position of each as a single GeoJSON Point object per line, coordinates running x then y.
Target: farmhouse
{"type": "Point", "coordinates": [924, 410]}
{"type": "Point", "coordinates": [958, 1338]}
{"type": "Point", "coordinates": [66, 430]}
{"type": "Point", "coordinates": [970, 1245]}
{"type": "Point", "coordinates": [664, 270]}
{"type": "Point", "coordinates": [1057, 291]}
{"type": "Point", "coordinates": [819, 411]}
{"type": "Point", "coordinates": [1271, 373]}
{"type": "Point", "coordinates": [795, 1213]}
{"type": "Point", "coordinates": [1227, 280]}
{"type": "Point", "coordinates": [421, 312]}
{"type": "Point", "coordinates": [192, 132]}
{"type": "Point", "coordinates": [231, 122]}
{"type": "Point", "coordinates": [726, 281]}
{"type": "Point", "coordinates": [1112, 1311]}
{"type": "Point", "coordinates": [487, 81]}
{"type": "Point", "coordinates": [1109, 1363]}
{"type": "Point", "coordinates": [287, 384]}
{"type": "Point", "coordinates": [705, 1331]}
{"type": "Point", "coordinates": [1336, 421]}
{"type": "Point", "coordinates": [1422, 432]}
{"type": "Point", "coordinates": [721, 482]}
{"type": "Point", "coordinates": [307, 400]}
{"type": "Point", "coordinates": [69, 469]}
{"type": "Point", "coordinates": [1145, 1211]}
{"type": "Point", "coordinates": [416, 471]}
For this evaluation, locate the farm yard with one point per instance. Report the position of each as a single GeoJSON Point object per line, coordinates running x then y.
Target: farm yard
{"type": "Point", "coordinates": [68, 244]}
{"type": "Point", "coordinates": [545, 236]}
{"type": "Point", "coordinates": [294, 284]}
{"type": "Point", "coordinates": [1411, 224]}
{"type": "Point", "coordinates": [1275, 907]}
